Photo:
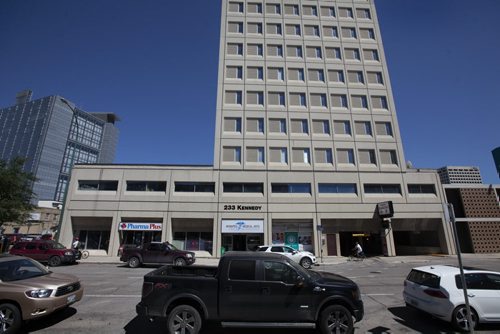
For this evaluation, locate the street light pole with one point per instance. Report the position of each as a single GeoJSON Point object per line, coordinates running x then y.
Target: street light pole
{"type": "Point", "coordinates": [70, 167]}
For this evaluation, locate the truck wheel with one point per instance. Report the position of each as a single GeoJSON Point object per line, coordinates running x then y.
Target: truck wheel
{"type": "Point", "coordinates": [306, 262]}
{"type": "Point", "coordinates": [10, 318]}
{"type": "Point", "coordinates": [134, 262]}
{"type": "Point", "coordinates": [179, 261]}
{"type": "Point", "coordinates": [55, 261]}
{"type": "Point", "coordinates": [184, 319]}
{"type": "Point", "coordinates": [336, 319]}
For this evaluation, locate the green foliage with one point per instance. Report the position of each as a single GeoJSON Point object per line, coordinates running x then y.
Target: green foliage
{"type": "Point", "coordinates": [15, 192]}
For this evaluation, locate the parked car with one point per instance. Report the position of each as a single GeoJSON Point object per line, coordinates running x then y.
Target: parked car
{"type": "Point", "coordinates": [305, 259]}
{"type": "Point", "coordinates": [156, 253]}
{"type": "Point", "coordinates": [47, 251]}
{"type": "Point", "coordinates": [250, 289]}
{"type": "Point", "coordinates": [438, 291]}
{"type": "Point", "coordinates": [29, 291]}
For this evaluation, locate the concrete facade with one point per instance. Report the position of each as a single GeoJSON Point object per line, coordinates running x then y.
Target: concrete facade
{"type": "Point", "coordinates": [306, 144]}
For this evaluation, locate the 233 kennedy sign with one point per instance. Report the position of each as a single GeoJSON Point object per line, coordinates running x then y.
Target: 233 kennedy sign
{"type": "Point", "coordinates": [241, 207]}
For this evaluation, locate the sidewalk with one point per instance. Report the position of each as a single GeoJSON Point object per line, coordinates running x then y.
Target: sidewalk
{"type": "Point", "coordinates": [328, 260]}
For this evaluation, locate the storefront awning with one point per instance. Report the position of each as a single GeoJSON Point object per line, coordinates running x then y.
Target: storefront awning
{"type": "Point", "coordinates": [129, 226]}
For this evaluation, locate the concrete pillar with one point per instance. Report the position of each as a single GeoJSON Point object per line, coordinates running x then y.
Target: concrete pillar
{"type": "Point", "coordinates": [114, 235]}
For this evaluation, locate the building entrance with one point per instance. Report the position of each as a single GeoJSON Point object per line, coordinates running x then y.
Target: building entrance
{"type": "Point", "coordinates": [241, 242]}
{"type": "Point", "coordinates": [370, 242]}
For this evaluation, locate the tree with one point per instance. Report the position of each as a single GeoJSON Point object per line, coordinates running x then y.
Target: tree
{"type": "Point", "coordinates": [16, 192]}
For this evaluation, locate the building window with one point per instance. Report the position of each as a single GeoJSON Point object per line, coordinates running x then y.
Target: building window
{"type": "Point", "coordinates": [255, 50]}
{"type": "Point", "coordinates": [337, 188]}
{"type": "Point", "coordinates": [352, 54]}
{"type": "Point", "coordinates": [255, 98]}
{"type": "Point", "coordinates": [384, 128]}
{"type": "Point", "coordinates": [342, 127]}
{"type": "Point", "coordinates": [278, 155]}
{"type": "Point", "coordinates": [255, 125]}
{"type": "Point", "coordinates": [388, 157]}
{"type": "Point", "coordinates": [254, 28]}
{"type": "Point", "coordinates": [275, 50]}
{"type": "Point", "coordinates": [363, 13]}
{"type": "Point", "coordinates": [330, 31]}
{"type": "Point", "coordinates": [273, 9]}
{"type": "Point", "coordinates": [367, 33]}
{"type": "Point", "coordinates": [298, 99]}
{"type": "Point", "coordinates": [422, 189]}
{"type": "Point", "coordinates": [294, 51]}
{"type": "Point", "coordinates": [194, 241]}
{"type": "Point", "coordinates": [333, 53]}
{"type": "Point", "coordinates": [301, 155]}
{"type": "Point", "coordinates": [321, 126]}
{"type": "Point", "coordinates": [367, 157]}
{"type": "Point", "coordinates": [370, 55]}
{"type": "Point", "coordinates": [311, 31]}
{"type": "Point", "coordinates": [336, 76]}
{"type": "Point", "coordinates": [299, 126]}
{"type": "Point", "coordinates": [323, 156]}
{"type": "Point", "coordinates": [310, 10]}
{"type": "Point", "coordinates": [254, 8]}
{"type": "Point", "coordinates": [314, 52]}
{"type": "Point", "coordinates": [382, 188]}
{"type": "Point", "coordinates": [274, 29]}
{"type": "Point", "coordinates": [275, 73]}
{"type": "Point", "coordinates": [235, 49]}
{"type": "Point", "coordinates": [292, 10]}
{"type": "Point", "coordinates": [328, 12]}
{"type": "Point", "coordinates": [236, 7]}
{"type": "Point", "coordinates": [232, 124]}
{"type": "Point", "coordinates": [296, 74]}
{"type": "Point", "coordinates": [233, 97]}
{"type": "Point", "coordinates": [363, 128]}
{"type": "Point", "coordinates": [276, 99]}
{"type": "Point", "coordinates": [316, 74]}
{"type": "Point", "coordinates": [345, 12]}
{"type": "Point", "coordinates": [231, 154]}
{"type": "Point", "coordinates": [293, 29]}
{"type": "Point", "coordinates": [291, 188]}
{"type": "Point", "coordinates": [375, 78]}
{"type": "Point", "coordinates": [231, 187]}
{"type": "Point", "coordinates": [355, 77]}
{"type": "Point", "coordinates": [146, 186]}
{"type": "Point", "coordinates": [235, 27]}
{"type": "Point", "coordinates": [255, 154]}
{"type": "Point", "coordinates": [318, 100]}
{"type": "Point", "coordinates": [234, 72]}
{"type": "Point", "coordinates": [379, 102]}
{"type": "Point", "coordinates": [345, 156]}
{"type": "Point", "coordinates": [98, 185]}
{"type": "Point", "coordinates": [277, 125]}
{"type": "Point", "coordinates": [255, 73]}
{"type": "Point", "coordinates": [195, 187]}
{"type": "Point", "coordinates": [359, 101]}
{"type": "Point", "coordinates": [349, 32]}
{"type": "Point", "coordinates": [339, 100]}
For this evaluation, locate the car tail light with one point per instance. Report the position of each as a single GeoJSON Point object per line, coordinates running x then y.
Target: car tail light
{"type": "Point", "coordinates": [147, 288]}
{"type": "Point", "coordinates": [435, 293]}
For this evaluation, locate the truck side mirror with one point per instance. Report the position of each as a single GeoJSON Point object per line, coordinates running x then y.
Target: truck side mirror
{"type": "Point", "coordinates": [299, 281]}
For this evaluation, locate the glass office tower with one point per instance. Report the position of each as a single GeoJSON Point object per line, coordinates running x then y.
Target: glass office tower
{"type": "Point", "coordinates": [52, 136]}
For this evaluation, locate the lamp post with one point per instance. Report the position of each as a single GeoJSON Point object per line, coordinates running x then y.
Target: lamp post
{"type": "Point", "coordinates": [70, 167]}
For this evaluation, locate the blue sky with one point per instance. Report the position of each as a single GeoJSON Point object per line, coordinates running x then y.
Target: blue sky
{"type": "Point", "coordinates": [155, 63]}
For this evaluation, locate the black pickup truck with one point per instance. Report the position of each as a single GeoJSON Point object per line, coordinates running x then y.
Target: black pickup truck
{"type": "Point", "coordinates": [250, 289]}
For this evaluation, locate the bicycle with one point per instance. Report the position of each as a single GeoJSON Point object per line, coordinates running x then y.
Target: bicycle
{"type": "Point", "coordinates": [85, 254]}
{"type": "Point", "coordinates": [357, 257]}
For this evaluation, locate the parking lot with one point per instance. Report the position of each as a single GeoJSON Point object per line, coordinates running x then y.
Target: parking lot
{"type": "Point", "coordinates": [112, 290]}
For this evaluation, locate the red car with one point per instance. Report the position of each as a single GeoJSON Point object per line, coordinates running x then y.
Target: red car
{"type": "Point", "coordinates": [47, 251]}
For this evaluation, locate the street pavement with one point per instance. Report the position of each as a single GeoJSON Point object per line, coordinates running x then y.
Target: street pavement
{"type": "Point", "coordinates": [112, 290]}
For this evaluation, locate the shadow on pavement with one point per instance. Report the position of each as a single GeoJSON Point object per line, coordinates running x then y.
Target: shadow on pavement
{"type": "Point", "coordinates": [420, 321]}
{"type": "Point", "coordinates": [48, 321]}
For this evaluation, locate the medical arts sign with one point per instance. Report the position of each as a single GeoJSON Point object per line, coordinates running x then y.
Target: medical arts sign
{"type": "Point", "coordinates": [140, 226]}
{"type": "Point", "coordinates": [242, 226]}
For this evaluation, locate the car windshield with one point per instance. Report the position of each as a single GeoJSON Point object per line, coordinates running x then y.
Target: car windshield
{"type": "Point", "coordinates": [20, 269]}
{"type": "Point", "coordinates": [171, 247]}
{"type": "Point", "coordinates": [301, 270]}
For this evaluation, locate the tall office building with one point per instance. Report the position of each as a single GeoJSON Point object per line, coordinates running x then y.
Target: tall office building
{"type": "Point", "coordinates": [307, 145]}
{"type": "Point", "coordinates": [460, 175]}
{"type": "Point", "coordinates": [52, 134]}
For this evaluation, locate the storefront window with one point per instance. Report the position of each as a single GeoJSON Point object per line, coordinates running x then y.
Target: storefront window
{"type": "Point", "coordinates": [94, 239]}
{"type": "Point", "coordinates": [194, 241]}
{"type": "Point", "coordinates": [303, 230]}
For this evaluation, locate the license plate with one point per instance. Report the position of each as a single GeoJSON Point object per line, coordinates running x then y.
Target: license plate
{"type": "Point", "coordinates": [71, 299]}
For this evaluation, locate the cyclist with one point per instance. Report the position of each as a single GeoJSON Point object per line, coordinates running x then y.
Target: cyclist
{"type": "Point", "coordinates": [358, 250]}
{"type": "Point", "coordinates": [76, 246]}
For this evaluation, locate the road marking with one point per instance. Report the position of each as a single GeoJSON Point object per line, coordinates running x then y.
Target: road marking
{"type": "Point", "coordinates": [113, 296]}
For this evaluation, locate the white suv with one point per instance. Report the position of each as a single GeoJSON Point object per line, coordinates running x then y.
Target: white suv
{"type": "Point", "coordinates": [438, 290]}
{"type": "Point", "coordinates": [305, 259]}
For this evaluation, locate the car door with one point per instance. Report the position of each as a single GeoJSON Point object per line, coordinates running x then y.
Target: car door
{"type": "Point", "coordinates": [484, 294]}
{"type": "Point", "coordinates": [281, 291]}
{"type": "Point", "coordinates": [239, 294]}
{"type": "Point", "coordinates": [151, 253]}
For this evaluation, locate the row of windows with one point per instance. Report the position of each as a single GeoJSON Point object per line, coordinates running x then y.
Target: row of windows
{"type": "Point", "coordinates": [314, 75]}
{"type": "Point", "coordinates": [258, 187]}
{"type": "Point", "coordinates": [302, 155]}
{"type": "Point", "coordinates": [298, 30]}
{"type": "Point", "coordinates": [298, 99]}
{"type": "Point", "coordinates": [301, 126]}
{"type": "Point", "coordinates": [237, 7]}
{"type": "Point", "coordinates": [311, 52]}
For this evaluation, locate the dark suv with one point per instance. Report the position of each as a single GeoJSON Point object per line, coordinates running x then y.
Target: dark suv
{"type": "Point", "coordinates": [156, 253]}
{"type": "Point", "coordinates": [48, 251]}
